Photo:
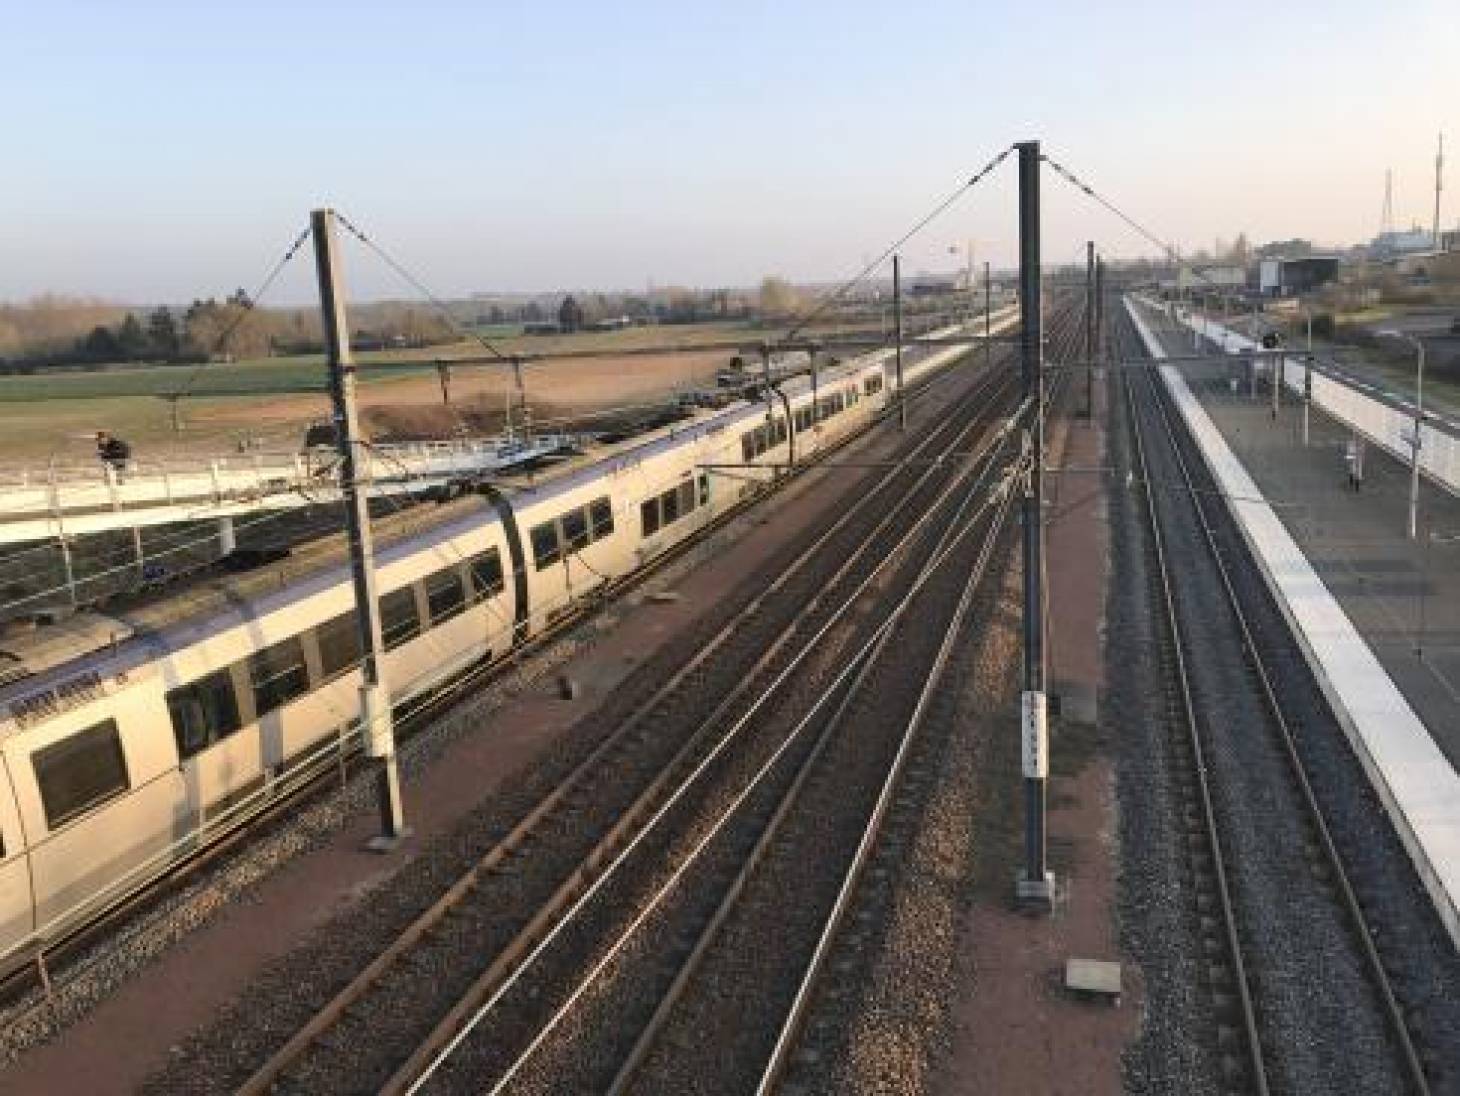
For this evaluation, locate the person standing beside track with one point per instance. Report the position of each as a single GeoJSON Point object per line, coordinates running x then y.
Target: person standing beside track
{"type": "Point", "coordinates": [112, 451]}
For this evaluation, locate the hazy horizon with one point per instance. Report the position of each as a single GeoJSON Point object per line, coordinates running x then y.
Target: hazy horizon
{"type": "Point", "coordinates": [174, 150]}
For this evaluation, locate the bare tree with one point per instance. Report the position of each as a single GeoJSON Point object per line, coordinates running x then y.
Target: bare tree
{"type": "Point", "coordinates": [778, 297]}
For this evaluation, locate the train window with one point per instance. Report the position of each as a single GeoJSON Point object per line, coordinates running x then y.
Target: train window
{"type": "Point", "coordinates": [704, 488]}
{"type": "Point", "coordinates": [400, 622]}
{"type": "Point", "coordinates": [686, 496]}
{"type": "Point", "coordinates": [747, 446]}
{"type": "Point", "coordinates": [669, 505]}
{"type": "Point", "coordinates": [278, 674]}
{"type": "Point", "coordinates": [575, 530]}
{"type": "Point", "coordinates": [80, 772]}
{"type": "Point", "coordinates": [649, 516]}
{"type": "Point", "coordinates": [338, 641]}
{"type": "Point", "coordinates": [600, 513]}
{"type": "Point", "coordinates": [445, 596]}
{"type": "Point", "coordinates": [545, 550]}
{"type": "Point", "coordinates": [486, 574]}
{"type": "Point", "coordinates": [780, 431]}
{"type": "Point", "coordinates": [203, 712]}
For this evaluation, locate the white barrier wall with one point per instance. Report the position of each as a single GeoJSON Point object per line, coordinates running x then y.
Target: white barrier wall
{"type": "Point", "coordinates": [1418, 786]}
{"type": "Point", "coordinates": [1389, 427]}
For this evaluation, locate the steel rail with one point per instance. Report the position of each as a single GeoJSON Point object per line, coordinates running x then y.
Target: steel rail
{"type": "Point", "coordinates": [728, 902]}
{"type": "Point", "coordinates": [801, 1005]}
{"type": "Point", "coordinates": [861, 662]}
{"type": "Point", "coordinates": [1256, 1066]}
{"type": "Point", "coordinates": [1362, 931]}
{"type": "Point", "coordinates": [857, 660]}
{"type": "Point", "coordinates": [490, 987]}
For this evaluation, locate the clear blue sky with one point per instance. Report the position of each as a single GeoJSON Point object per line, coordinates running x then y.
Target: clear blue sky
{"type": "Point", "coordinates": [155, 151]}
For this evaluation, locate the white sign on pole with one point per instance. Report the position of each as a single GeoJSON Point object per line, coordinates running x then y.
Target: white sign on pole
{"type": "Point", "coordinates": [1034, 731]}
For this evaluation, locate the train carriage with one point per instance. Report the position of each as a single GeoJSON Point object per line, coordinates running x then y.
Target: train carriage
{"type": "Point", "coordinates": [126, 745]}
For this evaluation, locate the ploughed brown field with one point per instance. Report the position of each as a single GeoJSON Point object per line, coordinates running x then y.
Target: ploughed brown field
{"type": "Point", "coordinates": [34, 431]}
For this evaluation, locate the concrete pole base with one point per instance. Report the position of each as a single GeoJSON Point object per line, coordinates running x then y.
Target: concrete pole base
{"type": "Point", "coordinates": [385, 843]}
{"type": "Point", "coordinates": [1035, 895]}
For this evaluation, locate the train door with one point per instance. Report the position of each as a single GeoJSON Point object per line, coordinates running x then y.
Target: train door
{"type": "Point", "coordinates": [17, 900]}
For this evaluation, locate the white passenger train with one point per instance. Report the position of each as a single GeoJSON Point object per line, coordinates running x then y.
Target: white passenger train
{"type": "Point", "coordinates": [127, 746]}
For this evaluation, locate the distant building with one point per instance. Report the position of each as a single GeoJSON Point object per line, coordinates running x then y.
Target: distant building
{"type": "Point", "coordinates": [1285, 277]}
{"type": "Point", "coordinates": [1386, 245]}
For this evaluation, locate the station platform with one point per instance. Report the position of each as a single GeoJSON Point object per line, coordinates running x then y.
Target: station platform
{"type": "Point", "coordinates": [1402, 595]}
{"type": "Point", "coordinates": [1378, 613]}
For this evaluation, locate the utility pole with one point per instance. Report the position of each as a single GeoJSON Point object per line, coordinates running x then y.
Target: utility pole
{"type": "Point", "coordinates": [1279, 366]}
{"type": "Point", "coordinates": [377, 731]}
{"type": "Point", "coordinates": [1386, 219]}
{"type": "Point", "coordinates": [1308, 377]}
{"type": "Point", "coordinates": [1419, 419]}
{"type": "Point", "coordinates": [1099, 323]}
{"type": "Point", "coordinates": [1035, 887]}
{"type": "Point", "coordinates": [1439, 182]}
{"type": "Point", "coordinates": [1089, 329]}
{"type": "Point", "coordinates": [524, 415]}
{"type": "Point", "coordinates": [988, 307]}
{"type": "Point", "coordinates": [897, 337]}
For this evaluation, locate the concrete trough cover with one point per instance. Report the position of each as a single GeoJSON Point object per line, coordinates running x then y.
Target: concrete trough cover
{"type": "Point", "coordinates": [1093, 978]}
{"type": "Point", "coordinates": [664, 597]}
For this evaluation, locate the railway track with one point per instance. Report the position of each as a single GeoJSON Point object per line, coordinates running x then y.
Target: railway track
{"type": "Point", "coordinates": [1274, 909]}
{"type": "Point", "coordinates": [681, 988]}
{"type": "Point", "coordinates": [509, 899]}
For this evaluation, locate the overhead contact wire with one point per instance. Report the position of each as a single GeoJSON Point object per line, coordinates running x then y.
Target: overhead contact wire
{"type": "Point", "coordinates": [828, 300]}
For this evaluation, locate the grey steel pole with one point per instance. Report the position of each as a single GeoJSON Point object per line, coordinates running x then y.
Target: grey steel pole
{"type": "Point", "coordinates": [1036, 886]}
{"type": "Point", "coordinates": [988, 307]}
{"type": "Point", "coordinates": [1099, 310]}
{"type": "Point", "coordinates": [1089, 328]}
{"type": "Point", "coordinates": [377, 727]}
{"type": "Point", "coordinates": [1308, 380]}
{"type": "Point", "coordinates": [897, 338]}
{"type": "Point", "coordinates": [68, 567]}
{"type": "Point", "coordinates": [1419, 414]}
{"type": "Point", "coordinates": [1275, 377]}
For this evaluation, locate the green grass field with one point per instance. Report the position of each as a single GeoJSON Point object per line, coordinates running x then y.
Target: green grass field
{"type": "Point", "coordinates": [56, 415]}
{"type": "Point", "coordinates": [305, 373]}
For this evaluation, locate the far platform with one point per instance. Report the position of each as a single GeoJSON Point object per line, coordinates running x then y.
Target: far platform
{"type": "Point", "coordinates": [1402, 595]}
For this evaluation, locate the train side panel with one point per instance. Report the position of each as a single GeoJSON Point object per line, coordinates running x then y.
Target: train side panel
{"type": "Point", "coordinates": [17, 912]}
{"type": "Point", "coordinates": [99, 792]}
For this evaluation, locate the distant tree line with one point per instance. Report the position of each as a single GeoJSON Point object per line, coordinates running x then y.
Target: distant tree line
{"type": "Point", "coordinates": [574, 311]}
{"type": "Point", "coordinates": [51, 332]}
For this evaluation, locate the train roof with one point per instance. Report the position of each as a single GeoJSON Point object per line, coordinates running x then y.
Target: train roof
{"type": "Point", "coordinates": [29, 648]}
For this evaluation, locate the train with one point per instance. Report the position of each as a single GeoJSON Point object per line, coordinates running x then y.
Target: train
{"type": "Point", "coordinates": [131, 740]}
